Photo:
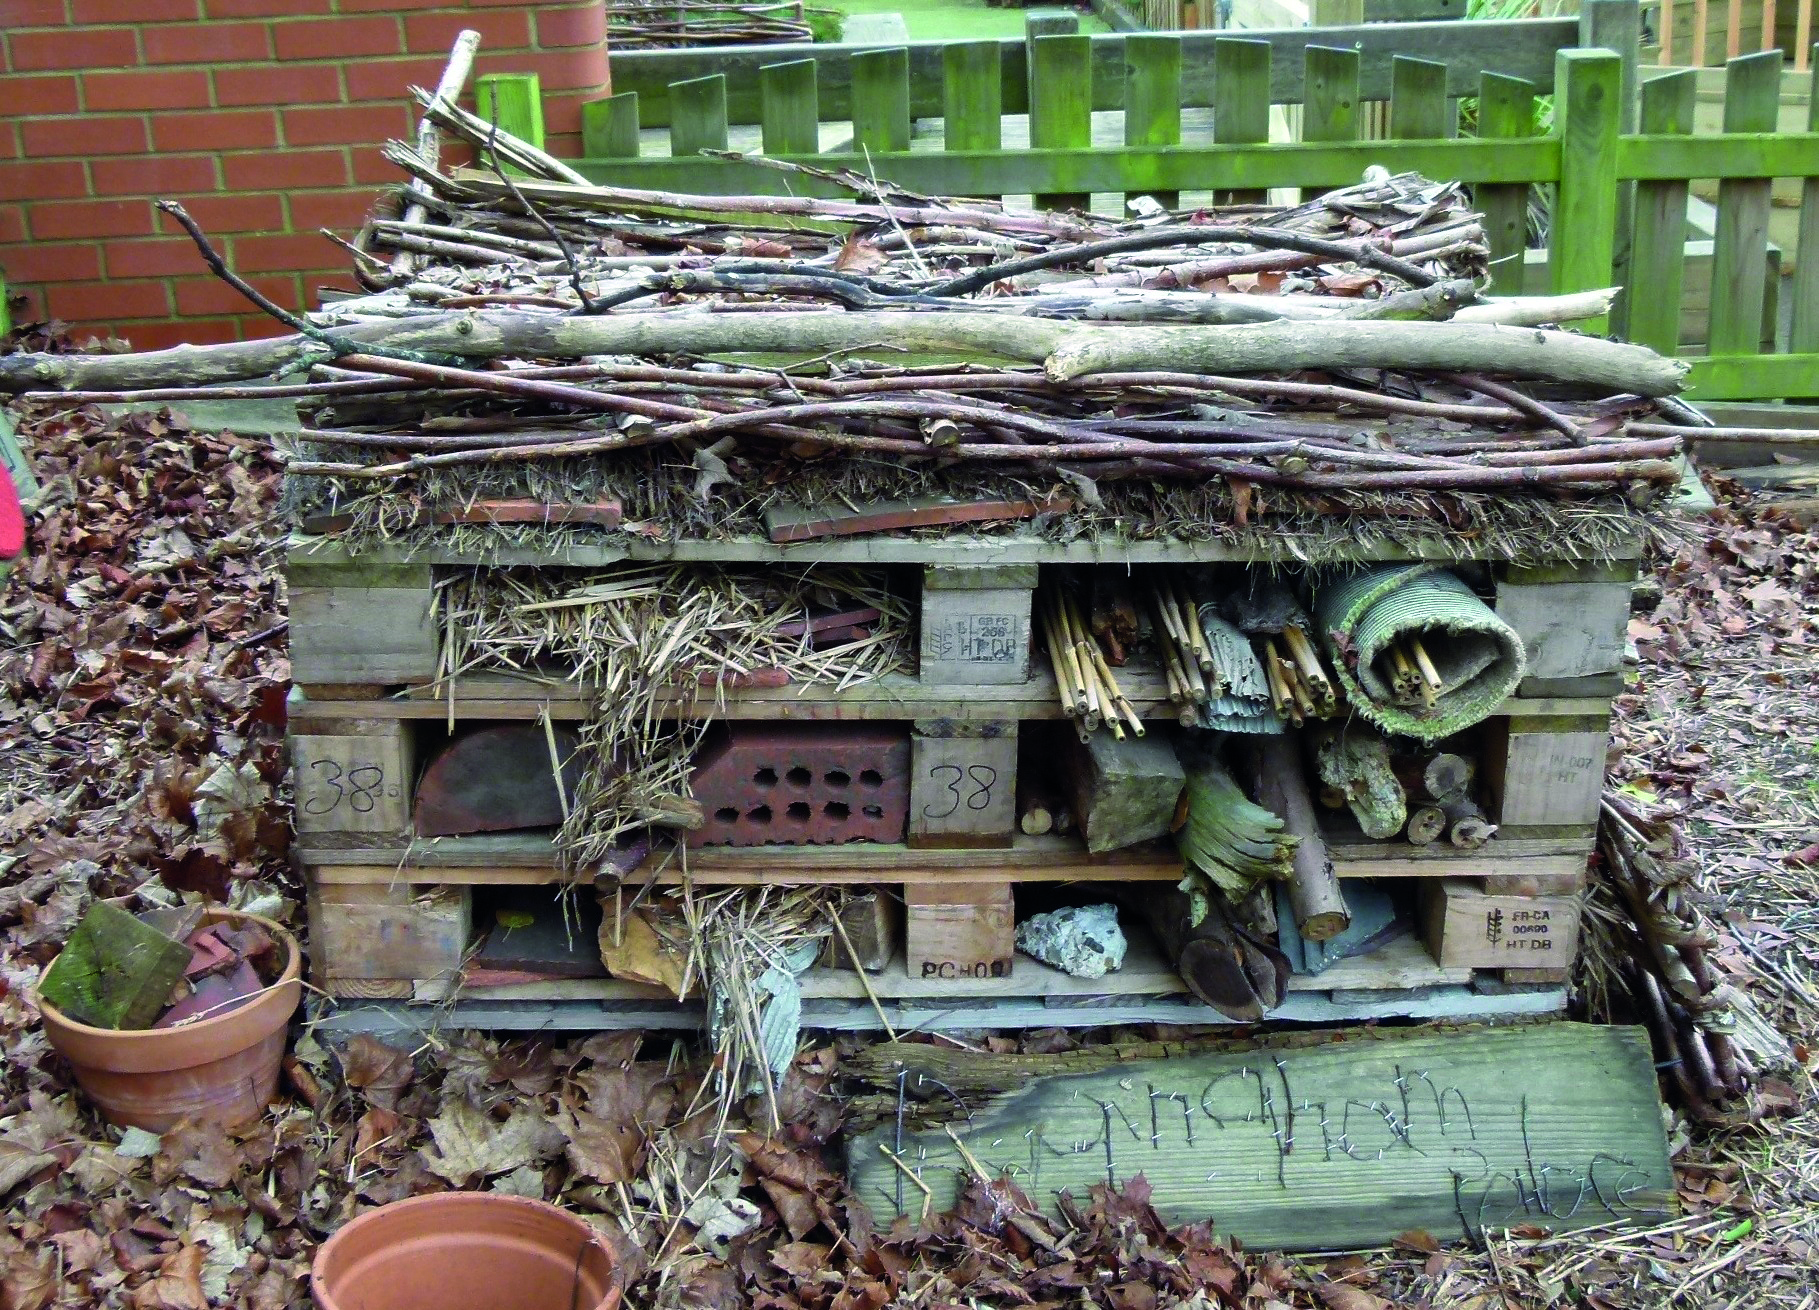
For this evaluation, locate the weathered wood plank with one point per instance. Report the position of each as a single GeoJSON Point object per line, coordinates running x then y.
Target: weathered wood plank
{"type": "Point", "coordinates": [1241, 102]}
{"type": "Point", "coordinates": [1506, 108]}
{"type": "Point", "coordinates": [1152, 96]}
{"type": "Point", "coordinates": [362, 634]}
{"type": "Point", "coordinates": [1543, 776]}
{"type": "Point", "coordinates": [977, 635]}
{"type": "Point", "coordinates": [958, 933]}
{"type": "Point", "coordinates": [1061, 104]}
{"type": "Point", "coordinates": [356, 779]}
{"type": "Point", "coordinates": [972, 104]}
{"type": "Point", "coordinates": [1327, 1146]}
{"type": "Point", "coordinates": [514, 101]}
{"type": "Point", "coordinates": [1803, 334]}
{"type": "Point", "coordinates": [881, 101]}
{"type": "Point", "coordinates": [1468, 927]}
{"type": "Point", "coordinates": [1122, 792]}
{"type": "Point", "coordinates": [698, 115]}
{"type": "Point", "coordinates": [1520, 48]}
{"type": "Point", "coordinates": [388, 930]}
{"type": "Point", "coordinates": [1752, 99]}
{"type": "Point", "coordinates": [1754, 377]}
{"type": "Point", "coordinates": [789, 107]}
{"type": "Point", "coordinates": [1616, 25]}
{"type": "Point", "coordinates": [1582, 239]}
{"type": "Point", "coordinates": [1658, 255]}
{"type": "Point", "coordinates": [609, 127]}
{"type": "Point", "coordinates": [115, 972]}
{"type": "Point", "coordinates": [1418, 104]}
{"type": "Point", "coordinates": [963, 787]}
{"type": "Point", "coordinates": [1330, 104]}
{"type": "Point", "coordinates": [1568, 629]}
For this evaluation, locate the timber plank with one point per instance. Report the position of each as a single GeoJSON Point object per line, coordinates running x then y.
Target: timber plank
{"type": "Point", "coordinates": [1061, 105]}
{"type": "Point", "coordinates": [1330, 101]}
{"type": "Point", "coordinates": [972, 103]}
{"type": "Point", "coordinates": [1658, 255]}
{"type": "Point", "coordinates": [790, 108]}
{"type": "Point", "coordinates": [1408, 1158]}
{"type": "Point", "coordinates": [881, 101]}
{"type": "Point", "coordinates": [1752, 101]}
{"type": "Point", "coordinates": [1418, 103]}
{"type": "Point", "coordinates": [1582, 249]}
{"type": "Point", "coordinates": [1241, 100]}
{"type": "Point", "coordinates": [1506, 108]}
{"type": "Point", "coordinates": [699, 115]}
{"type": "Point", "coordinates": [1803, 333]}
{"type": "Point", "coordinates": [609, 127]}
{"type": "Point", "coordinates": [1152, 96]}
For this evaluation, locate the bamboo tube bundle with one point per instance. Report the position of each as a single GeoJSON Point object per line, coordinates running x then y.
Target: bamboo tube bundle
{"type": "Point", "coordinates": [1090, 692]}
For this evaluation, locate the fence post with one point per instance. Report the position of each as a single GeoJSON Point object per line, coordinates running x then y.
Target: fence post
{"type": "Point", "coordinates": [1658, 257]}
{"type": "Point", "coordinates": [881, 100]}
{"type": "Point", "coordinates": [789, 108]}
{"type": "Point", "coordinates": [609, 127]}
{"type": "Point", "coordinates": [1617, 25]}
{"type": "Point", "coordinates": [1152, 95]}
{"type": "Point", "coordinates": [1804, 339]}
{"type": "Point", "coordinates": [1752, 102]}
{"type": "Point", "coordinates": [697, 115]}
{"type": "Point", "coordinates": [972, 96]}
{"type": "Point", "coordinates": [1582, 238]}
{"type": "Point", "coordinates": [514, 101]}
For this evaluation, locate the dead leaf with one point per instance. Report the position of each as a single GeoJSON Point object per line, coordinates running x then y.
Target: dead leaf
{"type": "Point", "coordinates": [178, 1285]}
{"type": "Point", "coordinates": [470, 1143]}
{"type": "Point", "coordinates": [601, 1149]}
{"type": "Point", "coordinates": [382, 1072]}
{"type": "Point", "coordinates": [858, 255]}
{"type": "Point", "coordinates": [18, 1163]}
{"type": "Point", "coordinates": [1343, 1296]}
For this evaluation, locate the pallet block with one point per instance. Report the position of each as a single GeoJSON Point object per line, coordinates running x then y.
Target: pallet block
{"type": "Point", "coordinates": [1470, 928]}
{"type": "Point", "coordinates": [1572, 619]}
{"type": "Point", "coordinates": [975, 628]}
{"type": "Point", "coordinates": [1545, 772]}
{"type": "Point", "coordinates": [963, 785]}
{"type": "Point", "coordinates": [362, 623]}
{"type": "Point", "coordinates": [869, 924]}
{"type": "Point", "coordinates": [353, 775]}
{"type": "Point", "coordinates": [391, 932]}
{"type": "Point", "coordinates": [958, 931]}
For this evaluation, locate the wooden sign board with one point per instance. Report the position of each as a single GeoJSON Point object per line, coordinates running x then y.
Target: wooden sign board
{"type": "Point", "coordinates": [1320, 1147]}
{"type": "Point", "coordinates": [357, 777]}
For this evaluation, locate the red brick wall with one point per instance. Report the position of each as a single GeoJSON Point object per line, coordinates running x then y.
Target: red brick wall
{"type": "Point", "coordinates": [264, 117]}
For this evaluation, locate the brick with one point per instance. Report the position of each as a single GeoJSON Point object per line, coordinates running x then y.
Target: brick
{"type": "Point", "coordinates": [52, 93]}
{"type": "Point", "coordinates": [91, 218]}
{"type": "Point", "coordinates": [110, 47]}
{"type": "Point", "coordinates": [255, 213]}
{"type": "Point", "coordinates": [155, 175]}
{"type": "Point", "coordinates": [253, 327]}
{"type": "Point", "coordinates": [152, 257]}
{"type": "Point", "coordinates": [89, 302]}
{"type": "Point", "coordinates": [269, 254]}
{"type": "Point", "coordinates": [199, 297]}
{"type": "Point", "coordinates": [89, 134]}
{"type": "Point", "coordinates": [562, 115]}
{"type": "Point", "coordinates": [504, 30]}
{"type": "Point", "coordinates": [578, 68]}
{"type": "Point", "coordinates": [58, 180]}
{"type": "Point", "coordinates": [145, 90]}
{"type": "Point", "coordinates": [372, 169]}
{"type": "Point", "coordinates": [344, 38]}
{"type": "Point", "coordinates": [796, 783]}
{"type": "Point", "coordinates": [38, 13]}
{"type": "Point", "coordinates": [235, 129]}
{"type": "Point", "coordinates": [390, 79]}
{"type": "Point", "coordinates": [326, 125]}
{"type": "Point", "coordinates": [582, 25]}
{"type": "Point", "coordinates": [343, 211]}
{"type": "Point", "coordinates": [279, 84]}
{"type": "Point", "coordinates": [207, 43]}
{"type": "Point", "coordinates": [265, 8]}
{"type": "Point", "coordinates": [47, 262]}
{"type": "Point", "coordinates": [9, 140]}
{"type": "Point", "coordinates": [268, 171]}
{"type": "Point", "coordinates": [27, 302]}
{"type": "Point", "coordinates": [390, 6]}
{"type": "Point", "coordinates": [190, 331]}
{"type": "Point", "coordinates": [83, 12]}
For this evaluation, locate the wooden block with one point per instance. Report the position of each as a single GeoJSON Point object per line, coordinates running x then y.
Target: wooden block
{"type": "Point", "coordinates": [869, 920]}
{"type": "Point", "coordinates": [787, 523]}
{"type": "Point", "coordinates": [390, 931]}
{"type": "Point", "coordinates": [368, 989]}
{"type": "Point", "coordinates": [354, 775]}
{"type": "Point", "coordinates": [1535, 884]}
{"type": "Point", "coordinates": [1123, 792]}
{"type": "Point", "coordinates": [362, 623]}
{"type": "Point", "coordinates": [963, 788]}
{"type": "Point", "coordinates": [1546, 772]}
{"type": "Point", "coordinates": [977, 635]}
{"type": "Point", "coordinates": [1466, 927]}
{"type": "Point", "coordinates": [958, 931]}
{"type": "Point", "coordinates": [1571, 627]}
{"type": "Point", "coordinates": [115, 972]}
{"type": "Point", "coordinates": [1534, 977]}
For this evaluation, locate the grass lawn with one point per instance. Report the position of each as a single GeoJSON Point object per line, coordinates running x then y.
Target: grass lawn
{"type": "Point", "coordinates": [954, 20]}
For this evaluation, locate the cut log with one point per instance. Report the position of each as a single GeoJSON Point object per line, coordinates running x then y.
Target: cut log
{"type": "Point", "coordinates": [1467, 827]}
{"type": "Point", "coordinates": [1209, 955]}
{"type": "Point", "coordinates": [867, 934]}
{"type": "Point", "coordinates": [1037, 804]}
{"type": "Point", "coordinates": [1123, 792]}
{"type": "Point", "coordinates": [115, 972]}
{"type": "Point", "coordinates": [1435, 779]}
{"type": "Point", "coordinates": [1313, 887]}
{"type": "Point", "coordinates": [1426, 825]}
{"type": "Point", "coordinates": [1113, 615]}
{"type": "Point", "coordinates": [1357, 762]}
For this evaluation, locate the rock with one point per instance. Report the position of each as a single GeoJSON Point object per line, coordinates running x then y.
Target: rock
{"type": "Point", "coordinates": [1083, 940]}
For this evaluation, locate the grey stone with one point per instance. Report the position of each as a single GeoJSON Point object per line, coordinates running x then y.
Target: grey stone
{"type": "Point", "coordinates": [1083, 940]}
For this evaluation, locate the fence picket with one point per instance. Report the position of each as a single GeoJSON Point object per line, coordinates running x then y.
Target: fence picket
{"type": "Point", "coordinates": [1330, 106]}
{"type": "Point", "coordinates": [1241, 101]}
{"type": "Point", "coordinates": [881, 100]}
{"type": "Point", "coordinates": [1804, 337]}
{"type": "Point", "coordinates": [972, 96]}
{"type": "Point", "coordinates": [1506, 108]}
{"type": "Point", "coordinates": [1582, 239]}
{"type": "Point", "coordinates": [1419, 108]}
{"type": "Point", "coordinates": [1061, 104]}
{"type": "Point", "coordinates": [789, 109]}
{"type": "Point", "coordinates": [697, 119]}
{"type": "Point", "coordinates": [1152, 96]}
{"type": "Point", "coordinates": [1752, 99]}
{"type": "Point", "coordinates": [1658, 258]}
{"type": "Point", "coordinates": [609, 127]}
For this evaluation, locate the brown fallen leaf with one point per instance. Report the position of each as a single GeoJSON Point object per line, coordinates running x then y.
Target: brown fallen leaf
{"type": "Point", "coordinates": [382, 1072]}
{"type": "Point", "coordinates": [178, 1285]}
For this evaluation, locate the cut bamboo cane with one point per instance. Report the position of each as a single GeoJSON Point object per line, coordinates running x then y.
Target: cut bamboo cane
{"type": "Point", "coordinates": [1425, 666]}
{"type": "Point", "coordinates": [1058, 662]}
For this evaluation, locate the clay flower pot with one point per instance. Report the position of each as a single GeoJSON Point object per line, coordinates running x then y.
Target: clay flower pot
{"type": "Point", "coordinates": [465, 1251]}
{"type": "Point", "coordinates": [223, 1069]}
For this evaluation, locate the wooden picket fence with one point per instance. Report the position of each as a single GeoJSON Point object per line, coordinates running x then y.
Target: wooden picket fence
{"type": "Point", "coordinates": [1619, 197]}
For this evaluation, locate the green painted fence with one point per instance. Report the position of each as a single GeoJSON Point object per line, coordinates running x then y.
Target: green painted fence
{"type": "Point", "coordinates": [1618, 197]}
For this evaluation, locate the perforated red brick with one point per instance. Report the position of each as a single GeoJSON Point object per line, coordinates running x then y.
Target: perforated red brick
{"type": "Point", "coordinates": [803, 784]}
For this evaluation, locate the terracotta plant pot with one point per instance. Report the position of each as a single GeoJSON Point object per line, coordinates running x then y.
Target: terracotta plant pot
{"type": "Point", "coordinates": [465, 1251]}
{"type": "Point", "coordinates": [223, 1069]}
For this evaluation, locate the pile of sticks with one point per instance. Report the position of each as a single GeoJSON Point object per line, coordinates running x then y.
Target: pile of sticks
{"type": "Point", "coordinates": [515, 314]}
{"type": "Point", "coordinates": [681, 23]}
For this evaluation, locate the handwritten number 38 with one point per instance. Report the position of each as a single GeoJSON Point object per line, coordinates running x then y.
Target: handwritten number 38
{"type": "Point", "coordinates": [982, 776]}
{"type": "Point", "coordinates": [360, 786]}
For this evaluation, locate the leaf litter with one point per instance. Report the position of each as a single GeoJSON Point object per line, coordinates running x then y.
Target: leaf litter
{"type": "Point", "coordinates": [141, 694]}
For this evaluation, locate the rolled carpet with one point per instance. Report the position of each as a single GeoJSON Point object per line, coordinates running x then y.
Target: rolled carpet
{"type": "Point", "coordinates": [1478, 657]}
